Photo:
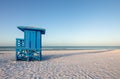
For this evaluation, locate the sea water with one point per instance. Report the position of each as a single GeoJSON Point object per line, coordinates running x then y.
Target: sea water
{"type": "Point", "coordinates": [12, 48]}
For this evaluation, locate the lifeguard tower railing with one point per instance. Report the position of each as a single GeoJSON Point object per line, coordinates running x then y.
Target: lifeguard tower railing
{"type": "Point", "coordinates": [24, 53]}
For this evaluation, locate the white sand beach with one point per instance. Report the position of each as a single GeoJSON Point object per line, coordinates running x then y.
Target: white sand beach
{"type": "Point", "coordinates": [63, 64]}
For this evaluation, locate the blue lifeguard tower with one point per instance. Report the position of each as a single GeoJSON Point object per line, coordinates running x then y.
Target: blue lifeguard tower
{"type": "Point", "coordinates": [29, 48]}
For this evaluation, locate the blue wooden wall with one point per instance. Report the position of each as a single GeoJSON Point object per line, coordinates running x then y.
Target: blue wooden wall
{"type": "Point", "coordinates": [32, 39]}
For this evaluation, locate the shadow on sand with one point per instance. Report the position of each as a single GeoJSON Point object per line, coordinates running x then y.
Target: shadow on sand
{"type": "Point", "coordinates": [48, 57]}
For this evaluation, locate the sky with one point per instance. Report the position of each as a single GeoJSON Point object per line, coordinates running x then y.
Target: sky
{"type": "Point", "coordinates": [67, 22]}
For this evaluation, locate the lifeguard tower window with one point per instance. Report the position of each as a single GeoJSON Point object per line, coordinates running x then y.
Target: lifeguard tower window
{"type": "Point", "coordinates": [29, 48]}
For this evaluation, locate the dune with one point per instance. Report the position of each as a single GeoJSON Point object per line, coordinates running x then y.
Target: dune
{"type": "Point", "coordinates": [63, 64]}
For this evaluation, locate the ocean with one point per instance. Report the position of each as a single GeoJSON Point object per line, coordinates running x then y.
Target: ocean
{"type": "Point", "coordinates": [12, 48]}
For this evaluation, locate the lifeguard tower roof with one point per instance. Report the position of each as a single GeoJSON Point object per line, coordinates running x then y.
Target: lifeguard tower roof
{"type": "Point", "coordinates": [22, 28]}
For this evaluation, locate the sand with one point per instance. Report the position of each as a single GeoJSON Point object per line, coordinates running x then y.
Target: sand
{"type": "Point", "coordinates": [63, 64]}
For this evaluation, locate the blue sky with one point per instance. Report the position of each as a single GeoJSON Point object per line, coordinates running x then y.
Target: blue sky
{"type": "Point", "coordinates": [67, 22]}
